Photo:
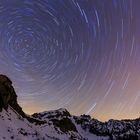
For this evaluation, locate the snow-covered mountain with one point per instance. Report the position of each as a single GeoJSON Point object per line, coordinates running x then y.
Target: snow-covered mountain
{"type": "Point", "coordinates": [14, 126]}
{"type": "Point", "coordinates": [92, 129]}
{"type": "Point", "coordinates": [56, 124]}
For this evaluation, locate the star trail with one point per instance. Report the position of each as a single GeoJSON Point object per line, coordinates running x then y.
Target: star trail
{"type": "Point", "coordinates": [83, 55]}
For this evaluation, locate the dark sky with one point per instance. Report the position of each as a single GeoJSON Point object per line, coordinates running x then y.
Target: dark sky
{"type": "Point", "coordinates": [83, 55]}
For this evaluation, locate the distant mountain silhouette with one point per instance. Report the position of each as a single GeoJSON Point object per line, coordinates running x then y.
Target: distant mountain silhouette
{"type": "Point", "coordinates": [56, 124]}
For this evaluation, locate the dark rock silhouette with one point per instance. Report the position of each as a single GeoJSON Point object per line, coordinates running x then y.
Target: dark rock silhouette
{"type": "Point", "coordinates": [8, 97]}
{"type": "Point", "coordinates": [7, 93]}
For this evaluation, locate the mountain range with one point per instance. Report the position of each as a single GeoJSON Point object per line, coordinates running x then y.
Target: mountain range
{"type": "Point", "coordinates": [56, 124]}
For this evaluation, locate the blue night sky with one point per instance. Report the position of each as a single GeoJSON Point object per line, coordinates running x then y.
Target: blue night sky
{"type": "Point", "coordinates": [83, 55]}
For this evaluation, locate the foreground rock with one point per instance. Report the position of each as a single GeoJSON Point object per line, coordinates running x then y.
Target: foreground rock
{"type": "Point", "coordinates": [8, 97]}
{"type": "Point", "coordinates": [57, 124]}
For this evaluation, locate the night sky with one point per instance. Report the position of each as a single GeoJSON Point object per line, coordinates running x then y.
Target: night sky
{"type": "Point", "coordinates": [83, 55]}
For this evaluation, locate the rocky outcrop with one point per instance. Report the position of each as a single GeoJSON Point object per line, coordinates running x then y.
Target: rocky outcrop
{"type": "Point", "coordinates": [60, 113]}
{"type": "Point", "coordinates": [60, 118]}
{"type": "Point", "coordinates": [8, 97]}
{"type": "Point", "coordinates": [7, 92]}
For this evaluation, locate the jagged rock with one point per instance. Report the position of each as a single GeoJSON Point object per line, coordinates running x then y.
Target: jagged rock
{"type": "Point", "coordinates": [60, 119]}
{"type": "Point", "coordinates": [52, 114]}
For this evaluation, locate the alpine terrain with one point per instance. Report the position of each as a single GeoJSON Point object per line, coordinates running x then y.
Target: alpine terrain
{"type": "Point", "coordinates": [56, 124]}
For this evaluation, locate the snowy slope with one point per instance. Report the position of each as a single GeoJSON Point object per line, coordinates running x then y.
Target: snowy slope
{"type": "Point", "coordinates": [92, 129]}
{"type": "Point", "coordinates": [14, 126]}
{"type": "Point", "coordinates": [60, 125]}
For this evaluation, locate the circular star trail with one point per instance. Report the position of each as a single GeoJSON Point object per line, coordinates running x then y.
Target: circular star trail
{"type": "Point", "coordinates": [82, 55]}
